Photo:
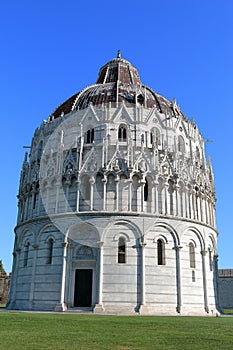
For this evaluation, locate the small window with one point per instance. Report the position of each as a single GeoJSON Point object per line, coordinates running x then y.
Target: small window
{"type": "Point", "coordinates": [210, 260]}
{"type": "Point", "coordinates": [26, 251]}
{"type": "Point", "coordinates": [90, 135]}
{"type": "Point", "coordinates": [122, 134]}
{"type": "Point", "coordinates": [161, 252]}
{"type": "Point", "coordinates": [50, 251]}
{"type": "Point", "coordinates": [121, 250]}
{"type": "Point", "coordinates": [192, 255]}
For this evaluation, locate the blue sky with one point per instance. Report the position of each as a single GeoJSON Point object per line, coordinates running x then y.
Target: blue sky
{"type": "Point", "coordinates": [52, 49]}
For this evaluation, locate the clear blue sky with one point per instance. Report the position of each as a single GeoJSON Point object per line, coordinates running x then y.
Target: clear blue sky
{"type": "Point", "coordinates": [52, 49]}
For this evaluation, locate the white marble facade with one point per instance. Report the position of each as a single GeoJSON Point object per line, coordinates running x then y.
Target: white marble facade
{"type": "Point", "coordinates": [116, 208]}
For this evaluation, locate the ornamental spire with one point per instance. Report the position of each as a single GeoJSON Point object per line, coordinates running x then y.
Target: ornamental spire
{"type": "Point", "coordinates": [119, 54]}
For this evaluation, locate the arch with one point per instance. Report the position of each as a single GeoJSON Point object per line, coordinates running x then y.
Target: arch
{"type": "Point", "coordinates": [122, 133]}
{"type": "Point", "coordinates": [213, 242]}
{"type": "Point", "coordinates": [170, 229]}
{"type": "Point", "coordinates": [160, 236]}
{"type": "Point", "coordinates": [127, 223]}
{"type": "Point", "coordinates": [83, 233]}
{"type": "Point", "coordinates": [26, 235]}
{"type": "Point", "coordinates": [50, 231]}
{"type": "Point", "coordinates": [197, 233]}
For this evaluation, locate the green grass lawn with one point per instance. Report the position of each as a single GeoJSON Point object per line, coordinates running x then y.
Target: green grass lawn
{"type": "Point", "coordinates": [73, 331]}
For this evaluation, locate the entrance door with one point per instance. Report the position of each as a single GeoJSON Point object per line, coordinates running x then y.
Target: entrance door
{"type": "Point", "coordinates": [83, 288]}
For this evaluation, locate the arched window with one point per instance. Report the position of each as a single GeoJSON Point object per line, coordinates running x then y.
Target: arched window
{"type": "Point", "coordinates": [122, 134]}
{"type": "Point", "coordinates": [26, 251]}
{"type": "Point", "coordinates": [181, 144]}
{"type": "Point", "coordinates": [161, 252]}
{"type": "Point", "coordinates": [140, 99]}
{"type": "Point", "coordinates": [50, 251]}
{"type": "Point", "coordinates": [146, 191]}
{"type": "Point", "coordinates": [90, 135]}
{"type": "Point", "coordinates": [192, 255]}
{"type": "Point", "coordinates": [121, 250]}
{"type": "Point", "coordinates": [210, 260]}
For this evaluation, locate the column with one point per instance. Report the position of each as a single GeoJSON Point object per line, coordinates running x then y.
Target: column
{"type": "Point", "coordinates": [32, 286]}
{"type": "Point", "coordinates": [206, 210]}
{"type": "Point", "coordinates": [194, 205]}
{"type": "Point", "coordinates": [143, 289]}
{"type": "Point", "coordinates": [203, 254]}
{"type": "Point", "coordinates": [174, 200]}
{"type": "Point", "coordinates": [104, 192]}
{"type": "Point", "coordinates": [117, 179]}
{"type": "Point", "coordinates": [156, 197]}
{"type": "Point", "coordinates": [202, 208]}
{"type": "Point", "coordinates": [92, 182]}
{"type": "Point", "coordinates": [164, 199]}
{"type": "Point", "coordinates": [153, 198]}
{"type": "Point", "coordinates": [99, 306]}
{"type": "Point", "coordinates": [178, 211]}
{"type": "Point", "coordinates": [78, 182]}
{"type": "Point", "coordinates": [178, 279]}
{"type": "Point", "coordinates": [130, 195]}
{"type": "Point", "coordinates": [190, 203]}
{"type": "Point", "coordinates": [61, 306]}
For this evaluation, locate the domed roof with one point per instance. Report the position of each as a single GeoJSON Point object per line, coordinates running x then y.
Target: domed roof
{"type": "Point", "coordinates": [118, 81]}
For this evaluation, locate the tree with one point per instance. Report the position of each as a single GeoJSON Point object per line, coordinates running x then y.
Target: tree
{"type": "Point", "coordinates": [2, 271]}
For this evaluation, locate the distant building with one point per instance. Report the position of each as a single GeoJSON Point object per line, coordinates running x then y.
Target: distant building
{"type": "Point", "coordinates": [225, 288]}
{"type": "Point", "coordinates": [116, 206]}
{"type": "Point", "coordinates": [4, 288]}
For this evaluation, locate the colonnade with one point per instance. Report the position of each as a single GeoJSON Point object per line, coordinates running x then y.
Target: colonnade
{"type": "Point", "coordinates": [113, 192]}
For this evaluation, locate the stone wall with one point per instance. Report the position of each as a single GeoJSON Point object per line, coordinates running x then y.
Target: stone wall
{"type": "Point", "coordinates": [225, 288]}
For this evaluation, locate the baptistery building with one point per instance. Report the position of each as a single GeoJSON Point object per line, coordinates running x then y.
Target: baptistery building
{"type": "Point", "coordinates": [116, 206]}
